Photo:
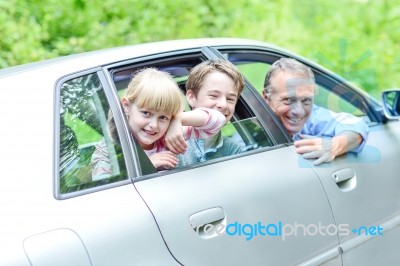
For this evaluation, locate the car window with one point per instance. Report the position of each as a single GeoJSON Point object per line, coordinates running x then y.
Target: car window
{"type": "Point", "coordinates": [334, 102]}
{"type": "Point", "coordinates": [244, 132]}
{"type": "Point", "coordinates": [89, 152]}
{"type": "Point", "coordinates": [255, 72]}
{"type": "Point", "coordinates": [255, 69]}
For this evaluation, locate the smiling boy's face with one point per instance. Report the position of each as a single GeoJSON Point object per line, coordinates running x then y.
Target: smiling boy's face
{"type": "Point", "coordinates": [217, 92]}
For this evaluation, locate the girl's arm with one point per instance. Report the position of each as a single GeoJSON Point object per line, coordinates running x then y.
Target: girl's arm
{"type": "Point", "coordinates": [164, 160]}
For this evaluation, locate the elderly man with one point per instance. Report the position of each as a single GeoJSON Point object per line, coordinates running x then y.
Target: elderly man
{"type": "Point", "coordinates": [318, 133]}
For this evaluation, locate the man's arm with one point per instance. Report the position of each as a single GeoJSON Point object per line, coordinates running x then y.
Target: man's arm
{"type": "Point", "coordinates": [327, 149]}
{"type": "Point", "coordinates": [328, 134]}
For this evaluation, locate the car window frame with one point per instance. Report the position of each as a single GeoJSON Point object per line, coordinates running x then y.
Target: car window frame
{"type": "Point", "coordinates": [115, 108]}
{"type": "Point", "coordinates": [330, 81]}
{"type": "Point", "coordinates": [250, 101]}
{"type": "Point", "coordinates": [251, 104]}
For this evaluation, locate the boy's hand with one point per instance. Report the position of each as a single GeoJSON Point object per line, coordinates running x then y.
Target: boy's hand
{"type": "Point", "coordinates": [164, 160]}
{"type": "Point", "coordinates": [174, 137]}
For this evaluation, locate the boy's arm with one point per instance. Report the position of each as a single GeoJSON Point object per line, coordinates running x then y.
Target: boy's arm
{"type": "Point", "coordinates": [198, 123]}
{"type": "Point", "coordinates": [212, 124]}
{"type": "Point", "coordinates": [195, 118]}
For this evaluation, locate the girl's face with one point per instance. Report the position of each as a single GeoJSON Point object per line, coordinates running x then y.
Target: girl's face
{"type": "Point", "coordinates": [146, 125]}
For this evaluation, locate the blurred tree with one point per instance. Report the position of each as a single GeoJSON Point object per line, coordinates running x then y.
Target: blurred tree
{"type": "Point", "coordinates": [40, 29]}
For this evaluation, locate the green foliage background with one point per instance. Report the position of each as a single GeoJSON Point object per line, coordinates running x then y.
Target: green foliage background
{"type": "Point", "coordinates": [358, 39]}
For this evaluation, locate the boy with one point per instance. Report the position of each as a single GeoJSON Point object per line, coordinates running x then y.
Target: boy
{"type": "Point", "coordinates": [214, 84]}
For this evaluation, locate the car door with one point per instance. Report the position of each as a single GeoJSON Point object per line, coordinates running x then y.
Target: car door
{"type": "Point", "coordinates": [257, 207]}
{"type": "Point", "coordinates": [65, 216]}
{"type": "Point", "coordinates": [363, 189]}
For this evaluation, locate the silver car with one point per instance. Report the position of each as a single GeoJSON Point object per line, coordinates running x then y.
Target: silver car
{"type": "Point", "coordinates": [264, 206]}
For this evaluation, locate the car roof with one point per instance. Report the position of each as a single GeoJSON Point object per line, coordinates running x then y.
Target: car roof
{"type": "Point", "coordinates": [108, 56]}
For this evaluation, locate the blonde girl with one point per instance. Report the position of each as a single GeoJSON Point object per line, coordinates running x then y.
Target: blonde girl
{"type": "Point", "coordinates": [153, 105]}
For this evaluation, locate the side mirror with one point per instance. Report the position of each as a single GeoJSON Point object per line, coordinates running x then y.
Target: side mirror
{"type": "Point", "coordinates": [391, 103]}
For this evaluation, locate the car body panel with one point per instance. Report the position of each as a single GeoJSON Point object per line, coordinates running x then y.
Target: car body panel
{"type": "Point", "coordinates": [64, 245]}
{"type": "Point", "coordinates": [370, 198]}
{"type": "Point", "coordinates": [115, 227]}
{"type": "Point", "coordinates": [247, 196]}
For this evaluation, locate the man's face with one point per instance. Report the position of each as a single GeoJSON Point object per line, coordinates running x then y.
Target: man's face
{"type": "Point", "coordinates": [291, 99]}
{"type": "Point", "coordinates": [217, 92]}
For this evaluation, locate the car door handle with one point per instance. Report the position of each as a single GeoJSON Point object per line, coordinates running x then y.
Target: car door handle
{"type": "Point", "coordinates": [343, 175]}
{"type": "Point", "coordinates": [345, 179]}
{"type": "Point", "coordinates": [208, 216]}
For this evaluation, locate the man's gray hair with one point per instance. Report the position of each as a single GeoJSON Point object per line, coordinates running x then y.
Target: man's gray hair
{"type": "Point", "coordinates": [287, 65]}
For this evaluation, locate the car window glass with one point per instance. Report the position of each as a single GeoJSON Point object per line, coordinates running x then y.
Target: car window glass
{"type": "Point", "coordinates": [89, 155]}
{"type": "Point", "coordinates": [255, 73]}
{"type": "Point", "coordinates": [248, 133]}
{"type": "Point", "coordinates": [325, 98]}
{"type": "Point", "coordinates": [236, 138]}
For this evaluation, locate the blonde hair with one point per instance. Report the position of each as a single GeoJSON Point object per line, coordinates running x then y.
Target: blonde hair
{"type": "Point", "coordinates": [156, 90]}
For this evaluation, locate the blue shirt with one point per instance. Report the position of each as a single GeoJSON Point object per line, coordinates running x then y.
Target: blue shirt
{"type": "Point", "coordinates": [325, 123]}
{"type": "Point", "coordinates": [197, 152]}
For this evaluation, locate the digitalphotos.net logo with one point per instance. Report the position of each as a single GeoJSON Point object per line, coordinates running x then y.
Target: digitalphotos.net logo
{"type": "Point", "coordinates": [282, 230]}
